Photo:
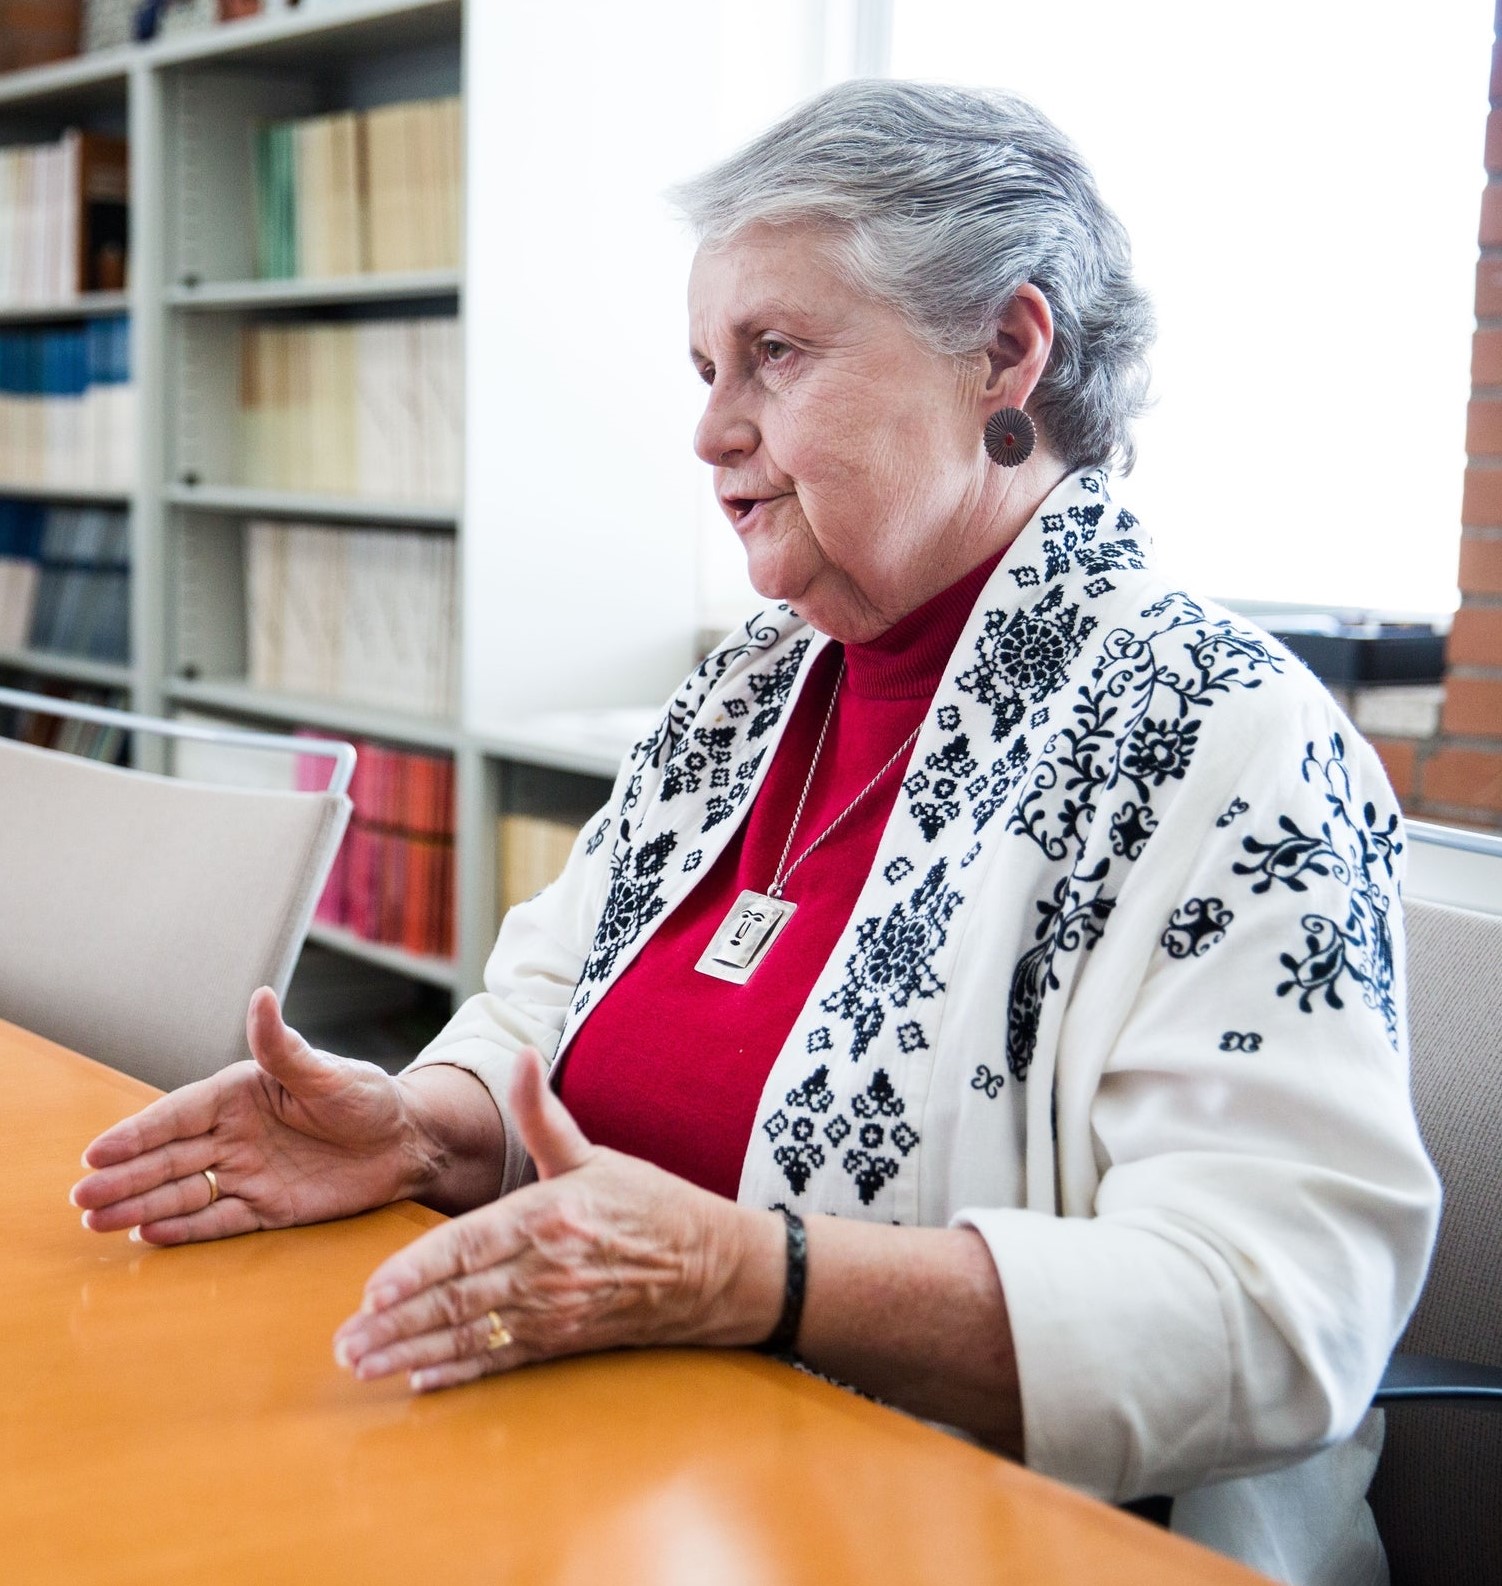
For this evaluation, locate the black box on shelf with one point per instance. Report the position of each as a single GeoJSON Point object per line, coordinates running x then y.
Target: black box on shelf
{"type": "Point", "coordinates": [1372, 652]}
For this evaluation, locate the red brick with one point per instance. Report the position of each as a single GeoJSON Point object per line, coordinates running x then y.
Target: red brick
{"type": "Point", "coordinates": [1399, 757]}
{"type": "Point", "coordinates": [1494, 141]}
{"type": "Point", "coordinates": [1480, 565]}
{"type": "Point", "coordinates": [1481, 504]}
{"type": "Point", "coordinates": [1486, 357]}
{"type": "Point", "coordinates": [1491, 217]}
{"type": "Point", "coordinates": [1483, 429]}
{"type": "Point", "coordinates": [1488, 288]}
{"type": "Point", "coordinates": [1473, 707]}
{"type": "Point", "coordinates": [1469, 778]}
{"type": "Point", "coordinates": [1476, 638]}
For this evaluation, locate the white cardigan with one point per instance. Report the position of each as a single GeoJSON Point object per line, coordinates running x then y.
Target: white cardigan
{"type": "Point", "coordinates": [1123, 991]}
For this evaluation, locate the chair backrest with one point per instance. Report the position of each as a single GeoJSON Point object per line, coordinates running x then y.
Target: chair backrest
{"type": "Point", "coordinates": [1438, 1492]}
{"type": "Point", "coordinates": [139, 912]}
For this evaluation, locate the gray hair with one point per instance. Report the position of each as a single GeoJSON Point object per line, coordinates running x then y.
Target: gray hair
{"type": "Point", "coordinates": [941, 202]}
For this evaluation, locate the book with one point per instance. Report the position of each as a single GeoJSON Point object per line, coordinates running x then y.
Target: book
{"type": "Point", "coordinates": [531, 851]}
{"type": "Point", "coordinates": [359, 614]}
{"type": "Point", "coordinates": [22, 524]}
{"type": "Point", "coordinates": [379, 190]}
{"type": "Point", "coordinates": [67, 406]}
{"type": "Point", "coordinates": [64, 218]}
{"type": "Point", "coordinates": [371, 408]}
{"type": "Point", "coordinates": [393, 878]}
{"type": "Point", "coordinates": [34, 32]}
{"type": "Point", "coordinates": [90, 739]}
{"type": "Point", "coordinates": [81, 602]}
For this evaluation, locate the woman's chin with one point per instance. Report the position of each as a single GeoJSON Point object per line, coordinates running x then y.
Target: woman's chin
{"type": "Point", "coordinates": [772, 578]}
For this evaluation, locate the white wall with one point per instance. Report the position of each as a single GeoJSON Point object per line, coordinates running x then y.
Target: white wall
{"type": "Point", "coordinates": [585, 506]}
{"type": "Point", "coordinates": [578, 576]}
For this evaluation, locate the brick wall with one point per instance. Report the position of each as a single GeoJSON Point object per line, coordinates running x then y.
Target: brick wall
{"type": "Point", "coordinates": [1453, 771]}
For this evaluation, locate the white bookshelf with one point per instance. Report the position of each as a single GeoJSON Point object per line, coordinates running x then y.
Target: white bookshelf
{"type": "Point", "coordinates": [390, 288]}
{"type": "Point", "coordinates": [78, 86]}
{"type": "Point", "coordinates": [336, 715]}
{"type": "Point", "coordinates": [541, 569]}
{"type": "Point", "coordinates": [435, 971]}
{"type": "Point", "coordinates": [87, 305]}
{"type": "Point", "coordinates": [305, 504]}
{"type": "Point", "coordinates": [64, 494]}
{"type": "Point", "coordinates": [66, 668]}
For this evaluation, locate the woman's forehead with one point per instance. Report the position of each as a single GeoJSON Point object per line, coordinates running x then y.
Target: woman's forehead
{"type": "Point", "coordinates": [764, 274]}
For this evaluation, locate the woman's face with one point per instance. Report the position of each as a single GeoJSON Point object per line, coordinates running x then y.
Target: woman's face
{"type": "Point", "coordinates": [848, 456]}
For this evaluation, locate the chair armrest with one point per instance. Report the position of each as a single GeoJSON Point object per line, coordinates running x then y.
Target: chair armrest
{"type": "Point", "coordinates": [1411, 1377]}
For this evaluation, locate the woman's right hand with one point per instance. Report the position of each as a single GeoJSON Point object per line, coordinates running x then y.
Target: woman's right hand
{"type": "Point", "coordinates": [296, 1136]}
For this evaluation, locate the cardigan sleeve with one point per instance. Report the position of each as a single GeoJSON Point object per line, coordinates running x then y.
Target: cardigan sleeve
{"type": "Point", "coordinates": [1264, 1209]}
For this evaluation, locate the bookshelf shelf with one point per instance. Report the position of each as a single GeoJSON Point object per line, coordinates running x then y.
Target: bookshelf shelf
{"type": "Point", "coordinates": [299, 504]}
{"type": "Point", "coordinates": [366, 721]}
{"type": "Point", "coordinates": [297, 293]}
{"type": "Point", "coordinates": [586, 743]}
{"type": "Point", "coordinates": [63, 493]}
{"type": "Point", "coordinates": [86, 306]}
{"type": "Point", "coordinates": [436, 971]}
{"type": "Point", "coordinates": [87, 82]}
{"type": "Point", "coordinates": [334, 32]}
{"type": "Point", "coordinates": [67, 668]}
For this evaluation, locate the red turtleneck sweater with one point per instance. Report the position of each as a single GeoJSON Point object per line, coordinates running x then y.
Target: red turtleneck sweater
{"type": "Point", "coordinates": [671, 1064]}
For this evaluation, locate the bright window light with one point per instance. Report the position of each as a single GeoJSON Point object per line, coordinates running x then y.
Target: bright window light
{"type": "Point", "coordinates": [1301, 180]}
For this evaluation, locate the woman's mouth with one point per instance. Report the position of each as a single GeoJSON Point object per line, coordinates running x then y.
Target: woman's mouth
{"type": "Point", "coordinates": [745, 511]}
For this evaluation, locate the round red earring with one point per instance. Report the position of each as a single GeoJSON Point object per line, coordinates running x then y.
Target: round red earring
{"type": "Point", "coordinates": [1010, 437]}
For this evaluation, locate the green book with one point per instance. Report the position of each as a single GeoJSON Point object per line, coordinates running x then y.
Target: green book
{"type": "Point", "coordinates": [265, 263]}
{"type": "Point", "coordinates": [276, 201]}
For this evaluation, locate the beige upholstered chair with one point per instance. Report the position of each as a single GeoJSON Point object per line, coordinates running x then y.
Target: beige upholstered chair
{"type": "Point", "coordinates": [1438, 1492]}
{"type": "Point", "coordinates": [139, 912]}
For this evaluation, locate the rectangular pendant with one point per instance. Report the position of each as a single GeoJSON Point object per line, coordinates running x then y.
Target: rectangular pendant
{"type": "Point", "coordinates": [745, 937]}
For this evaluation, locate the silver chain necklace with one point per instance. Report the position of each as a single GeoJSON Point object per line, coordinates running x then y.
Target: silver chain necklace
{"type": "Point", "coordinates": [756, 919]}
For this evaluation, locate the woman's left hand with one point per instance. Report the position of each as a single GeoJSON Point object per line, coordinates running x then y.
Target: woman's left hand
{"type": "Point", "coordinates": [603, 1252]}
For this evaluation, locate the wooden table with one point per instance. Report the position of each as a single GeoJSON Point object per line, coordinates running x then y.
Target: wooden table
{"type": "Point", "coordinates": [176, 1415]}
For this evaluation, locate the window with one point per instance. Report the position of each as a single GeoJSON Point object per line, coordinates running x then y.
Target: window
{"type": "Point", "coordinates": [1302, 183]}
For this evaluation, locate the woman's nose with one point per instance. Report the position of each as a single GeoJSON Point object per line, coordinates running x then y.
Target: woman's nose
{"type": "Point", "coordinates": [726, 434]}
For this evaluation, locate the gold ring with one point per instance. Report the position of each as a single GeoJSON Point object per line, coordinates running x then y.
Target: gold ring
{"type": "Point", "coordinates": [208, 1173]}
{"type": "Point", "coordinates": [499, 1335]}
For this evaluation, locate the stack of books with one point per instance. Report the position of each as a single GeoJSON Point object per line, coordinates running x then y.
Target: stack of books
{"type": "Point", "coordinates": [393, 880]}
{"type": "Point", "coordinates": [95, 742]}
{"type": "Point", "coordinates": [65, 580]}
{"type": "Point", "coordinates": [531, 851]}
{"type": "Point", "coordinates": [359, 614]}
{"type": "Point", "coordinates": [34, 32]}
{"type": "Point", "coordinates": [63, 218]}
{"type": "Point", "coordinates": [360, 191]}
{"type": "Point", "coordinates": [67, 407]}
{"type": "Point", "coordinates": [368, 409]}
{"type": "Point", "coordinates": [21, 525]}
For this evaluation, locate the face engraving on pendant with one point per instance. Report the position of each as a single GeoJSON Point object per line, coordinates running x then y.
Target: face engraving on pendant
{"type": "Point", "coordinates": [745, 936]}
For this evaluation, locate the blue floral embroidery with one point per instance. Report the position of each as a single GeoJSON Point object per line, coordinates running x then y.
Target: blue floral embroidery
{"type": "Point", "coordinates": [633, 900]}
{"type": "Point", "coordinates": [1353, 851]}
{"type": "Point", "coordinates": [893, 959]}
{"type": "Point", "coordinates": [1134, 729]}
{"type": "Point", "coordinates": [1195, 927]}
{"type": "Point", "coordinates": [1022, 657]}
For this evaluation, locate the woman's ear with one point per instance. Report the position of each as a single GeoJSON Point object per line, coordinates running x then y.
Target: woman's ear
{"type": "Point", "coordinates": [1018, 350]}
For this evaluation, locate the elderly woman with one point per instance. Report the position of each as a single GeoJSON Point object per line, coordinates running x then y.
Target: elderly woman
{"type": "Point", "coordinates": [987, 979]}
